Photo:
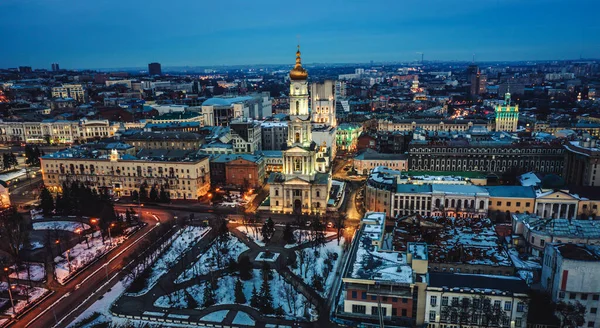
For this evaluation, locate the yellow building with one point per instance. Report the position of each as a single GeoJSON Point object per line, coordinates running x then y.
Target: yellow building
{"type": "Point", "coordinates": [507, 116]}
{"type": "Point", "coordinates": [515, 199]}
{"type": "Point", "coordinates": [184, 177]}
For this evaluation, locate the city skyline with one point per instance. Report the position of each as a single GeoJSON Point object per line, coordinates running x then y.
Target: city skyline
{"type": "Point", "coordinates": [98, 36]}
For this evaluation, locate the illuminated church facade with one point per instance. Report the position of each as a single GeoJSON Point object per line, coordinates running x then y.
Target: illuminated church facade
{"type": "Point", "coordinates": [303, 185]}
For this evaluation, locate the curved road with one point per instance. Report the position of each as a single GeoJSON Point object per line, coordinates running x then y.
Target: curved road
{"type": "Point", "coordinates": [70, 300]}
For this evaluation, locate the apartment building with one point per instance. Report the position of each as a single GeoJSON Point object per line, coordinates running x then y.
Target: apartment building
{"type": "Point", "coordinates": [183, 174]}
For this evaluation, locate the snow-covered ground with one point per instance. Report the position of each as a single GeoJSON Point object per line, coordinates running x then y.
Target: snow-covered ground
{"type": "Point", "coordinates": [60, 225]}
{"type": "Point", "coordinates": [252, 233]}
{"type": "Point", "coordinates": [182, 243]}
{"type": "Point", "coordinates": [242, 318]}
{"type": "Point", "coordinates": [217, 316]}
{"type": "Point", "coordinates": [314, 265]}
{"type": "Point", "coordinates": [102, 306]}
{"type": "Point", "coordinates": [208, 261]}
{"type": "Point", "coordinates": [22, 290]}
{"type": "Point", "coordinates": [280, 289]}
{"type": "Point", "coordinates": [80, 255]}
{"type": "Point", "coordinates": [36, 272]}
{"type": "Point", "coordinates": [303, 236]}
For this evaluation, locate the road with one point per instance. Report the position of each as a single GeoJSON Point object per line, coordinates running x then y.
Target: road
{"type": "Point", "coordinates": [70, 300]}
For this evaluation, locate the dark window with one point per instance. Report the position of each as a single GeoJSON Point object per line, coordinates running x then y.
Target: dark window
{"type": "Point", "coordinates": [385, 299]}
{"type": "Point", "coordinates": [394, 299]}
{"type": "Point", "coordinates": [591, 323]}
{"type": "Point", "coordinates": [394, 312]}
{"type": "Point", "coordinates": [572, 296]}
{"type": "Point", "coordinates": [593, 310]}
{"type": "Point", "coordinates": [359, 309]}
{"type": "Point", "coordinates": [405, 300]}
{"type": "Point", "coordinates": [404, 312]}
{"type": "Point", "coordinates": [584, 296]}
{"type": "Point", "coordinates": [354, 294]}
{"type": "Point", "coordinates": [373, 298]}
{"type": "Point", "coordinates": [596, 297]}
{"type": "Point", "coordinates": [363, 295]}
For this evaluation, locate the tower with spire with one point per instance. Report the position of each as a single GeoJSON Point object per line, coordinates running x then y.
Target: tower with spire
{"type": "Point", "coordinates": [507, 115]}
{"type": "Point", "coordinates": [300, 187]}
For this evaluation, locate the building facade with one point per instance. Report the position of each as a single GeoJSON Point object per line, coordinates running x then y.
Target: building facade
{"type": "Point", "coordinates": [299, 188]}
{"type": "Point", "coordinates": [455, 299]}
{"type": "Point", "coordinates": [581, 163]}
{"type": "Point", "coordinates": [323, 103]}
{"type": "Point", "coordinates": [74, 91]}
{"type": "Point", "coordinates": [274, 135]}
{"type": "Point", "coordinates": [507, 115]}
{"type": "Point", "coordinates": [570, 274]}
{"type": "Point", "coordinates": [486, 156]}
{"type": "Point", "coordinates": [182, 178]}
{"type": "Point", "coordinates": [246, 136]}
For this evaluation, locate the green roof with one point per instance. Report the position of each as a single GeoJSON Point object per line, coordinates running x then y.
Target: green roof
{"type": "Point", "coordinates": [472, 175]}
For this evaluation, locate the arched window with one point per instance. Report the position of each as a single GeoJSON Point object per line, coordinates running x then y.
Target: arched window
{"type": "Point", "coordinates": [481, 203]}
{"type": "Point", "coordinates": [297, 139]}
{"type": "Point", "coordinates": [318, 194]}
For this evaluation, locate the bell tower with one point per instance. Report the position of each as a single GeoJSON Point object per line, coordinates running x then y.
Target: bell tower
{"type": "Point", "coordinates": [298, 88]}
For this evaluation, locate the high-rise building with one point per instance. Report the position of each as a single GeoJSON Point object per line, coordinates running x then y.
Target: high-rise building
{"type": "Point", "coordinates": [154, 69]}
{"type": "Point", "coordinates": [55, 67]}
{"type": "Point", "coordinates": [323, 103]}
{"type": "Point", "coordinates": [474, 77]}
{"type": "Point", "coordinates": [24, 69]}
{"type": "Point", "coordinates": [507, 115]}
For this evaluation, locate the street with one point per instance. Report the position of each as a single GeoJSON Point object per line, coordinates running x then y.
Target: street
{"type": "Point", "coordinates": [70, 300]}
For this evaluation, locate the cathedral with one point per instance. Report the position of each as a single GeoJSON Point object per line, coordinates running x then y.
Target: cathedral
{"type": "Point", "coordinates": [303, 185]}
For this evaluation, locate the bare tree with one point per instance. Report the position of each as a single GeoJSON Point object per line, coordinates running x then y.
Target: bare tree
{"type": "Point", "coordinates": [289, 295]}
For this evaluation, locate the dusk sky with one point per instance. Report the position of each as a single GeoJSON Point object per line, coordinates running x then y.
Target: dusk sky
{"type": "Point", "coordinates": [132, 33]}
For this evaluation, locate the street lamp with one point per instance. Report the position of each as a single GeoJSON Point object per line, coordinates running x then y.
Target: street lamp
{"type": "Point", "coordinates": [109, 235]}
{"type": "Point", "coordinates": [12, 303]}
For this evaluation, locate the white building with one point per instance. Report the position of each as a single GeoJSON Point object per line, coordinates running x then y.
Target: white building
{"type": "Point", "coordinates": [323, 103]}
{"type": "Point", "coordinates": [476, 298]}
{"type": "Point", "coordinates": [246, 136]}
{"type": "Point", "coordinates": [538, 232]}
{"type": "Point", "coordinates": [570, 274]}
{"type": "Point", "coordinates": [75, 91]}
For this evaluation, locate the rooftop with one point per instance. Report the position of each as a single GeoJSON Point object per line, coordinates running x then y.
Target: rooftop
{"type": "Point", "coordinates": [218, 101]}
{"type": "Point", "coordinates": [478, 282]}
{"type": "Point", "coordinates": [511, 191]}
{"type": "Point", "coordinates": [163, 135]}
{"type": "Point", "coordinates": [578, 252]}
{"type": "Point", "coordinates": [370, 154]}
{"type": "Point", "coordinates": [587, 229]}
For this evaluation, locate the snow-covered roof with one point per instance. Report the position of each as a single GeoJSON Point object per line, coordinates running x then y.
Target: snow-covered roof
{"type": "Point", "coordinates": [529, 179]}
{"type": "Point", "coordinates": [560, 227]}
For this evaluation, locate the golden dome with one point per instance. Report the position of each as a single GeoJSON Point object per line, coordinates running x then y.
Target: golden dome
{"type": "Point", "coordinates": [298, 72]}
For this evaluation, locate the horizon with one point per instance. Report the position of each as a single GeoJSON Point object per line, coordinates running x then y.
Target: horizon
{"type": "Point", "coordinates": [95, 35]}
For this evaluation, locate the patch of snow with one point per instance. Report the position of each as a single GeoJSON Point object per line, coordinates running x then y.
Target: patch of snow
{"type": "Point", "coordinates": [80, 255]}
{"type": "Point", "coordinates": [217, 316]}
{"type": "Point", "coordinates": [253, 234]}
{"type": "Point", "coordinates": [242, 318]}
{"type": "Point", "coordinates": [318, 265]}
{"type": "Point", "coordinates": [102, 306]}
{"type": "Point", "coordinates": [212, 260]}
{"type": "Point", "coordinates": [186, 239]}
{"type": "Point", "coordinates": [22, 291]}
{"type": "Point", "coordinates": [178, 316]}
{"type": "Point", "coordinates": [226, 285]}
{"type": "Point", "coordinates": [60, 225]}
{"type": "Point", "coordinates": [36, 272]}
{"type": "Point", "coordinates": [154, 314]}
{"type": "Point", "coordinates": [261, 257]}
{"type": "Point", "coordinates": [303, 236]}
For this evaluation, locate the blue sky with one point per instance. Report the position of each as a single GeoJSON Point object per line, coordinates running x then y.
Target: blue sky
{"type": "Point", "coordinates": [132, 33]}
